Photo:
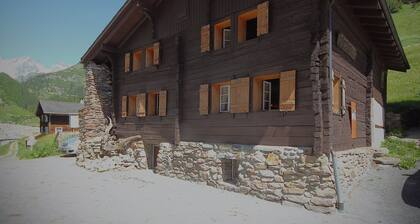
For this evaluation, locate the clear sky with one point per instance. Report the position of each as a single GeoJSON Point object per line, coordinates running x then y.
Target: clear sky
{"type": "Point", "coordinates": [52, 31]}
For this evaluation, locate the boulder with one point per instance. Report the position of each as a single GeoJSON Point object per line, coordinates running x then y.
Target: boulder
{"type": "Point", "coordinates": [387, 161]}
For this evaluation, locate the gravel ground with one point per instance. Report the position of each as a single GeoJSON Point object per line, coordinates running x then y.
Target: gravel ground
{"type": "Point", "coordinates": [55, 190]}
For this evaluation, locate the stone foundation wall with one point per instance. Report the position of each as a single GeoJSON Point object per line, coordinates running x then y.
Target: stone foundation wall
{"type": "Point", "coordinates": [352, 164]}
{"type": "Point", "coordinates": [280, 174]}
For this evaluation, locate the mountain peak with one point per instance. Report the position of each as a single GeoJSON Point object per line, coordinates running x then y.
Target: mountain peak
{"type": "Point", "coordinates": [21, 68]}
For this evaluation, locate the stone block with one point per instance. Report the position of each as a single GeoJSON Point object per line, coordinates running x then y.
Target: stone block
{"type": "Point", "coordinates": [272, 160]}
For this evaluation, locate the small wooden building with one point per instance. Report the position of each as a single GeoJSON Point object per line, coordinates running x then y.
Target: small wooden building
{"type": "Point", "coordinates": [57, 116]}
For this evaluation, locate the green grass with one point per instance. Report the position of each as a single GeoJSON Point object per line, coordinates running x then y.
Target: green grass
{"type": "Point", "coordinates": [44, 147]}
{"type": "Point", "coordinates": [404, 88]}
{"type": "Point", "coordinates": [4, 149]}
{"type": "Point", "coordinates": [406, 151]}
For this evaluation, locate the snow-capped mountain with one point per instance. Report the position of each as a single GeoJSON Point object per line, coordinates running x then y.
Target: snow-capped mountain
{"type": "Point", "coordinates": [23, 67]}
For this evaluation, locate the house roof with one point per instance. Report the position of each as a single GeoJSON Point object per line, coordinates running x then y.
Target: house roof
{"type": "Point", "coordinates": [374, 17]}
{"type": "Point", "coordinates": [57, 107]}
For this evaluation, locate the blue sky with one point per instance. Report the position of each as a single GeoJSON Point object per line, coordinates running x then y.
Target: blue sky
{"type": "Point", "coordinates": [52, 31]}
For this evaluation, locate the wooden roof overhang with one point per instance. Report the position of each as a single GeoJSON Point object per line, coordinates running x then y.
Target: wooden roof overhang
{"type": "Point", "coordinates": [375, 18]}
{"type": "Point", "coordinates": [131, 15]}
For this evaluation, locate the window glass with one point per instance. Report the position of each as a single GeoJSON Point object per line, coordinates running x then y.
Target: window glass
{"type": "Point", "coordinates": [224, 98]}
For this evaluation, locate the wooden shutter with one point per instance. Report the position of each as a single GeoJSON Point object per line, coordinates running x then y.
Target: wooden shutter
{"type": "Point", "coordinates": [353, 120]}
{"type": "Point", "coordinates": [127, 62]}
{"type": "Point", "coordinates": [205, 38]}
{"type": "Point", "coordinates": [262, 18]}
{"type": "Point", "coordinates": [239, 95]}
{"type": "Point", "coordinates": [156, 51]}
{"type": "Point", "coordinates": [288, 91]}
{"type": "Point", "coordinates": [141, 105]}
{"type": "Point", "coordinates": [124, 106]}
{"type": "Point", "coordinates": [204, 99]}
{"type": "Point", "coordinates": [162, 103]}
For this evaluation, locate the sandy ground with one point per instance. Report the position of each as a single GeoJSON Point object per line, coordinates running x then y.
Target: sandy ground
{"type": "Point", "coordinates": [55, 190]}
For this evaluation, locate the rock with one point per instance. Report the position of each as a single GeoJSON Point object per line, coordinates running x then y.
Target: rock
{"type": "Point", "coordinates": [299, 199]}
{"type": "Point", "coordinates": [387, 161]}
{"type": "Point", "coordinates": [266, 173]}
{"type": "Point", "coordinates": [278, 192]}
{"type": "Point", "coordinates": [325, 193]}
{"type": "Point", "coordinates": [293, 190]}
{"type": "Point", "coordinates": [380, 152]}
{"type": "Point", "coordinates": [322, 209]}
{"type": "Point", "coordinates": [260, 166]}
{"type": "Point", "coordinates": [326, 202]}
{"type": "Point", "coordinates": [258, 157]}
{"type": "Point", "coordinates": [278, 179]}
{"type": "Point", "coordinates": [272, 159]}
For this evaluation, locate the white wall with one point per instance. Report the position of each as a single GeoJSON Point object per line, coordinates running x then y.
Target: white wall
{"type": "Point", "coordinates": [377, 119]}
{"type": "Point", "coordinates": [74, 121]}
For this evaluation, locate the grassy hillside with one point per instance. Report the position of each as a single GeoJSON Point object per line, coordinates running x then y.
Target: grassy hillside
{"type": "Point", "coordinates": [64, 85]}
{"type": "Point", "coordinates": [17, 105]}
{"type": "Point", "coordinates": [404, 88]}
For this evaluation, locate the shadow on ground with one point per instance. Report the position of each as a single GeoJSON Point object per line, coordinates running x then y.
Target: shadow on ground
{"type": "Point", "coordinates": [411, 190]}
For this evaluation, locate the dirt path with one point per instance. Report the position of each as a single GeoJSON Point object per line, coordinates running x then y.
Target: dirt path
{"type": "Point", "coordinates": [54, 190]}
{"type": "Point", "coordinates": [13, 148]}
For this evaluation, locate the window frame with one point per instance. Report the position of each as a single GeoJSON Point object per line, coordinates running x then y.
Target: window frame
{"type": "Point", "coordinates": [243, 18]}
{"type": "Point", "coordinates": [264, 96]}
{"type": "Point", "coordinates": [228, 98]}
{"type": "Point", "coordinates": [218, 33]}
{"type": "Point", "coordinates": [233, 164]}
{"type": "Point", "coordinates": [150, 54]}
{"type": "Point", "coordinates": [155, 111]}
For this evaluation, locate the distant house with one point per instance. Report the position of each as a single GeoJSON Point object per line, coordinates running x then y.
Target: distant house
{"type": "Point", "coordinates": [57, 116]}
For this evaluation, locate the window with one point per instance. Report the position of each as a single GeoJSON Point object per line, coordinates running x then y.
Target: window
{"type": "Point", "coordinates": [127, 62]}
{"type": "Point", "coordinates": [274, 92]}
{"type": "Point", "coordinates": [271, 94]}
{"type": "Point", "coordinates": [338, 94]}
{"type": "Point", "coordinates": [222, 34]}
{"type": "Point", "coordinates": [247, 26]}
{"type": "Point", "coordinates": [224, 98]}
{"type": "Point", "coordinates": [137, 60]}
{"type": "Point", "coordinates": [132, 106]}
{"type": "Point", "coordinates": [150, 54]}
{"type": "Point", "coordinates": [153, 104]}
{"type": "Point", "coordinates": [230, 170]}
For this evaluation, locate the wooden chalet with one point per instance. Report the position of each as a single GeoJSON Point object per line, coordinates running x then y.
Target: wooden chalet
{"type": "Point", "coordinates": [55, 116]}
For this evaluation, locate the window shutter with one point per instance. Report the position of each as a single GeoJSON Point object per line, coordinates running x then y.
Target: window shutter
{"type": "Point", "coordinates": [205, 38]}
{"type": "Point", "coordinates": [204, 99]}
{"type": "Point", "coordinates": [162, 103]}
{"type": "Point", "coordinates": [343, 96]}
{"type": "Point", "coordinates": [288, 91]}
{"type": "Point", "coordinates": [156, 51]}
{"type": "Point", "coordinates": [353, 120]}
{"type": "Point", "coordinates": [124, 106]}
{"type": "Point", "coordinates": [239, 92]}
{"type": "Point", "coordinates": [262, 18]}
{"type": "Point", "coordinates": [127, 62]}
{"type": "Point", "coordinates": [141, 105]}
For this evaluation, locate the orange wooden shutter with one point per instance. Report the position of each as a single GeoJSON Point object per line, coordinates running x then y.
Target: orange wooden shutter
{"type": "Point", "coordinates": [262, 18]}
{"type": "Point", "coordinates": [162, 103]}
{"type": "Point", "coordinates": [353, 120]}
{"type": "Point", "coordinates": [239, 92]}
{"type": "Point", "coordinates": [205, 38]}
{"type": "Point", "coordinates": [156, 51]}
{"type": "Point", "coordinates": [141, 105]}
{"type": "Point", "coordinates": [288, 91]}
{"type": "Point", "coordinates": [204, 99]}
{"type": "Point", "coordinates": [127, 62]}
{"type": "Point", "coordinates": [124, 106]}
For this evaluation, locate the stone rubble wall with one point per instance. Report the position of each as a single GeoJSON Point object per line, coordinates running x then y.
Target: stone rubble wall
{"type": "Point", "coordinates": [280, 174]}
{"type": "Point", "coordinates": [99, 150]}
{"type": "Point", "coordinates": [352, 164]}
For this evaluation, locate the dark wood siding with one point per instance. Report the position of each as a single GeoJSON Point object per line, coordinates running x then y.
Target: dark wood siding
{"type": "Point", "coordinates": [355, 73]}
{"type": "Point", "coordinates": [286, 47]}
